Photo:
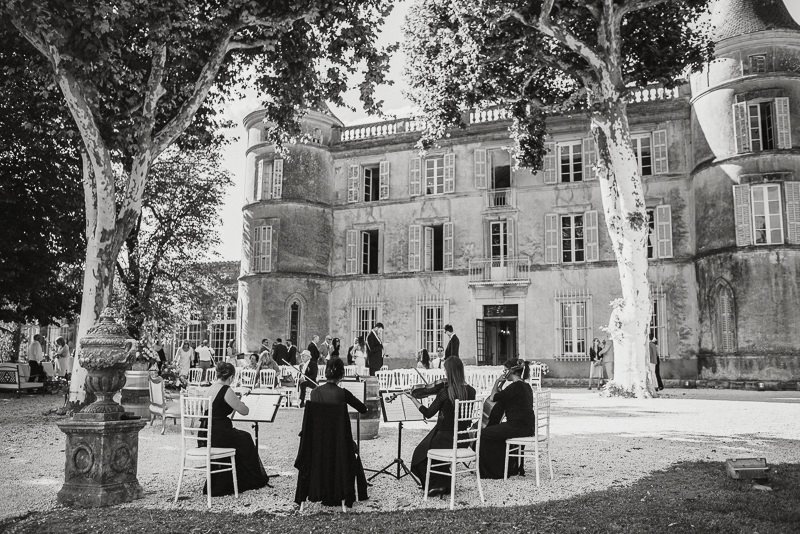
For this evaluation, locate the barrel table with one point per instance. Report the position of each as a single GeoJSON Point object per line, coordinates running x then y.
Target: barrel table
{"type": "Point", "coordinates": [370, 421]}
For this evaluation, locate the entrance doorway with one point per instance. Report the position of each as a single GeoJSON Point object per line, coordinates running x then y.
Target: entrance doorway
{"type": "Point", "coordinates": [497, 334]}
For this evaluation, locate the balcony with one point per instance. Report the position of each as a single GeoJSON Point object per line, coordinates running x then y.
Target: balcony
{"type": "Point", "coordinates": [499, 272]}
{"type": "Point", "coordinates": [497, 199]}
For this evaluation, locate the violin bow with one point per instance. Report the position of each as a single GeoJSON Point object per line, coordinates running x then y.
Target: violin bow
{"type": "Point", "coordinates": [422, 377]}
{"type": "Point", "coordinates": [301, 373]}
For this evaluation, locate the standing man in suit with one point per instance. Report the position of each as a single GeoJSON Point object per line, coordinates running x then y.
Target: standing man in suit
{"type": "Point", "coordinates": [313, 349]}
{"type": "Point", "coordinates": [291, 352]}
{"type": "Point", "coordinates": [325, 348]}
{"type": "Point", "coordinates": [375, 349]}
{"type": "Point", "coordinates": [281, 353]}
{"type": "Point", "coordinates": [452, 345]}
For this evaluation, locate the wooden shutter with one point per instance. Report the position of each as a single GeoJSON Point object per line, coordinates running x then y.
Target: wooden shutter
{"type": "Point", "coordinates": [551, 238]}
{"type": "Point", "coordinates": [267, 264]}
{"type": "Point", "coordinates": [741, 129]}
{"type": "Point", "coordinates": [591, 245]}
{"type": "Point", "coordinates": [353, 181]}
{"type": "Point", "coordinates": [510, 239]}
{"type": "Point", "coordinates": [351, 252]}
{"type": "Point", "coordinates": [549, 164]}
{"type": "Point", "coordinates": [414, 247]}
{"type": "Point", "coordinates": [259, 180]}
{"type": "Point", "coordinates": [447, 235]}
{"type": "Point", "coordinates": [277, 178]}
{"type": "Point", "coordinates": [415, 177]}
{"type": "Point", "coordinates": [792, 212]}
{"type": "Point", "coordinates": [449, 173]}
{"type": "Point", "coordinates": [383, 190]}
{"type": "Point", "coordinates": [589, 159]}
{"type": "Point", "coordinates": [664, 230]}
{"type": "Point", "coordinates": [480, 168]}
{"type": "Point", "coordinates": [428, 249]}
{"type": "Point", "coordinates": [741, 215]}
{"type": "Point", "coordinates": [783, 122]}
{"type": "Point", "coordinates": [660, 152]}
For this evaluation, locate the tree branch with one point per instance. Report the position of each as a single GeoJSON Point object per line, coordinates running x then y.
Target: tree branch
{"type": "Point", "coordinates": [262, 43]}
{"type": "Point", "coordinates": [635, 5]}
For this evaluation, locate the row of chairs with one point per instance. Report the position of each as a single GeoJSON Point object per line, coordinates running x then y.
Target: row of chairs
{"type": "Point", "coordinates": [481, 378]}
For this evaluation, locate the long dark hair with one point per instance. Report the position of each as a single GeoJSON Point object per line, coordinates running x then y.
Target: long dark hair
{"type": "Point", "coordinates": [426, 359]}
{"type": "Point", "coordinates": [456, 386]}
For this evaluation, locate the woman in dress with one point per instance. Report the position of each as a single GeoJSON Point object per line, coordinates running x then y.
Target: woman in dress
{"type": "Point", "coordinates": [336, 346]}
{"type": "Point", "coordinates": [230, 353]}
{"type": "Point", "coordinates": [183, 360]}
{"type": "Point", "coordinates": [516, 401]}
{"type": "Point", "coordinates": [359, 353]}
{"type": "Point", "coordinates": [63, 358]}
{"type": "Point", "coordinates": [441, 436]}
{"type": "Point", "coordinates": [596, 362]}
{"type": "Point", "coordinates": [250, 473]}
{"type": "Point", "coordinates": [423, 359]}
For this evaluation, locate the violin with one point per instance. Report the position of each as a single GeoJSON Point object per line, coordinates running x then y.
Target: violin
{"type": "Point", "coordinates": [420, 391]}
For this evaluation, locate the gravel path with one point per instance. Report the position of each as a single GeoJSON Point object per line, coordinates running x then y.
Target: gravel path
{"type": "Point", "coordinates": [597, 442]}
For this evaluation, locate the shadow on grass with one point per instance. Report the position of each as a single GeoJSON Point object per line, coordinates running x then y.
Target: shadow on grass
{"type": "Point", "coordinates": [689, 496]}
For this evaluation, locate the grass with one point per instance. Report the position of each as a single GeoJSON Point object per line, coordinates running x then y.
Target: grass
{"type": "Point", "coordinates": [690, 496]}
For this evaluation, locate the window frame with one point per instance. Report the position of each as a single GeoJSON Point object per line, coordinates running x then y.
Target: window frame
{"type": "Point", "coordinates": [637, 149]}
{"type": "Point", "coordinates": [574, 328]}
{"type": "Point", "coordinates": [438, 177]}
{"type": "Point", "coordinates": [768, 229]}
{"type": "Point", "coordinates": [576, 167]}
{"type": "Point", "coordinates": [573, 239]}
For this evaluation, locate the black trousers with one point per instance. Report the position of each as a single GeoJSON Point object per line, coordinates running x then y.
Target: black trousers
{"type": "Point", "coordinates": [304, 385]}
{"type": "Point", "coordinates": [658, 374]}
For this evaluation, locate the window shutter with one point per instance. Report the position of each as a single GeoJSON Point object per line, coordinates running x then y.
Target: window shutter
{"type": "Point", "coordinates": [589, 159]}
{"type": "Point", "coordinates": [353, 180]}
{"type": "Point", "coordinates": [664, 230]}
{"type": "Point", "coordinates": [255, 248]}
{"type": "Point", "coordinates": [741, 215]}
{"type": "Point", "coordinates": [551, 238]}
{"type": "Point", "coordinates": [592, 245]}
{"type": "Point", "coordinates": [510, 236]}
{"type": "Point", "coordinates": [259, 180]}
{"type": "Point", "coordinates": [384, 180]}
{"type": "Point", "coordinates": [783, 122]}
{"type": "Point", "coordinates": [428, 249]}
{"type": "Point", "coordinates": [550, 163]}
{"type": "Point", "coordinates": [447, 235]}
{"type": "Point", "coordinates": [741, 130]}
{"type": "Point", "coordinates": [415, 177]}
{"type": "Point", "coordinates": [414, 238]}
{"type": "Point", "coordinates": [792, 212]}
{"type": "Point", "coordinates": [660, 152]}
{"type": "Point", "coordinates": [480, 168]}
{"type": "Point", "coordinates": [266, 266]}
{"type": "Point", "coordinates": [351, 252]}
{"type": "Point", "coordinates": [449, 173]}
{"type": "Point", "coordinates": [277, 178]}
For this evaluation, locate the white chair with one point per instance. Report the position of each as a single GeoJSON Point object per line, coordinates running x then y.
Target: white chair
{"type": "Point", "coordinates": [529, 447]}
{"type": "Point", "coordinates": [211, 375]}
{"type": "Point", "coordinates": [350, 370]}
{"type": "Point", "coordinates": [384, 380]}
{"type": "Point", "coordinates": [535, 378]}
{"type": "Point", "coordinates": [384, 368]}
{"type": "Point", "coordinates": [160, 405]}
{"type": "Point", "coordinates": [247, 380]}
{"type": "Point", "coordinates": [195, 375]}
{"type": "Point", "coordinates": [469, 413]}
{"type": "Point", "coordinates": [196, 410]}
{"type": "Point", "coordinates": [266, 378]}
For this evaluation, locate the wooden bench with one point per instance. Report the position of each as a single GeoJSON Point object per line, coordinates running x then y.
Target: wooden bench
{"type": "Point", "coordinates": [11, 380]}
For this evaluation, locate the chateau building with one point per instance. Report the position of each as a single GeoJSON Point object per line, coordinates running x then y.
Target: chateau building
{"type": "Point", "coordinates": [356, 226]}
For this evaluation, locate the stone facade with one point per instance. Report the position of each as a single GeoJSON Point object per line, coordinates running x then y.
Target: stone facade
{"type": "Point", "coordinates": [355, 226]}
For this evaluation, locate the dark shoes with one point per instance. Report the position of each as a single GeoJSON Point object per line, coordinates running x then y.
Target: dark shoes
{"type": "Point", "coordinates": [438, 492]}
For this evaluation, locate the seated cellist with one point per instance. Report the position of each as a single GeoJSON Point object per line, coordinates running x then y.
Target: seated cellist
{"type": "Point", "coordinates": [516, 401]}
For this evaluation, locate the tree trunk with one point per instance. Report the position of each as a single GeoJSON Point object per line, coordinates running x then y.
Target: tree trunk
{"type": "Point", "coordinates": [626, 220]}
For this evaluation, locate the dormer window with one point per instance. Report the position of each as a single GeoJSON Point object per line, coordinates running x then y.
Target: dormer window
{"type": "Point", "coordinates": [758, 63]}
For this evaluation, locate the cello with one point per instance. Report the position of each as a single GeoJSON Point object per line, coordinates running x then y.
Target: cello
{"type": "Point", "coordinates": [492, 413]}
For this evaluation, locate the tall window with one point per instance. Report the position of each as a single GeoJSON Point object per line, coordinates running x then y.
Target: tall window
{"type": "Point", "coordinates": [761, 126]}
{"type": "Point", "coordinates": [500, 165]}
{"type": "Point", "coordinates": [194, 331]}
{"type": "Point", "coordinates": [658, 322]}
{"type": "Point", "coordinates": [431, 327]}
{"type": "Point", "coordinates": [767, 219]}
{"type": "Point", "coordinates": [294, 322]}
{"type": "Point", "coordinates": [726, 323]}
{"type": "Point", "coordinates": [369, 252]}
{"type": "Point", "coordinates": [573, 326]}
{"type": "Point", "coordinates": [371, 183]}
{"type": "Point", "coordinates": [434, 175]}
{"type": "Point", "coordinates": [572, 238]}
{"type": "Point", "coordinates": [499, 241]}
{"type": "Point", "coordinates": [223, 329]}
{"type": "Point", "coordinates": [262, 249]}
{"type": "Point", "coordinates": [364, 319]}
{"type": "Point", "coordinates": [644, 155]}
{"type": "Point", "coordinates": [269, 179]}
{"type": "Point", "coordinates": [571, 161]}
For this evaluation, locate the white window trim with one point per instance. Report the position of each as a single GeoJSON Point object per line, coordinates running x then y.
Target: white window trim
{"type": "Point", "coordinates": [573, 168]}
{"type": "Point", "coordinates": [769, 229]}
{"type": "Point", "coordinates": [572, 237]}
{"type": "Point", "coordinates": [586, 299]}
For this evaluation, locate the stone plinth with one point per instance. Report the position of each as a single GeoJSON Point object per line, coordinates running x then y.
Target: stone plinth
{"type": "Point", "coordinates": [102, 460]}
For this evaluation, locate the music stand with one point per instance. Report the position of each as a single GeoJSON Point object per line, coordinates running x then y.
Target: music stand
{"type": "Point", "coordinates": [397, 408]}
{"type": "Point", "coordinates": [263, 409]}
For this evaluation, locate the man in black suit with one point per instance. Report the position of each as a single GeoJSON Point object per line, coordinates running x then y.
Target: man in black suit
{"type": "Point", "coordinates": [281, 353]}
{"type": "Point", "coordinates": [313, 348]}
{"type": "Point", "coordinates": [291, 356]}
{"type": "Point", "coordinates": [452, 345]}
{"type": "Point", "coordinates": [311, 371]}
{"type": "Point", "coordinates": [375, 349]}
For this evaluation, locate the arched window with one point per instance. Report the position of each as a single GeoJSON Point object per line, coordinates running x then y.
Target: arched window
{"type": "Point", "coordinates": [294, 322]}
{"type": "Point", "coordinates": [726, 319]}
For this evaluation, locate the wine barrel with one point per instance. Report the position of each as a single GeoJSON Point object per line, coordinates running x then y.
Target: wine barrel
{"type": "Point", "coordinates": [136, 393]}
{"type": "Point", "coordinates": [370, 421]}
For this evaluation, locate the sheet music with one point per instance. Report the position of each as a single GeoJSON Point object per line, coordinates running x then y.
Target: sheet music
{"type": "Point", "coordinates": [358, 389]}
{"type": "Point", "coordinates": [263, 407]}
{"type": "Point", "coordinates": [401, 408]}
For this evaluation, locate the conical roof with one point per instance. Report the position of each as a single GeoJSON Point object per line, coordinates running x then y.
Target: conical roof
{"type": "Point", "coordinates": [739, 17]}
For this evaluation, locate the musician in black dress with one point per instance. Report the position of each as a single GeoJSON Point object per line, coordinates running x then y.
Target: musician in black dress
{"type": "Point", "coordinates": [441, 436]}
{"type": "Point", "coordinates": [516, 401]}
{"type": "Point", "coordinates": [250, 473]}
